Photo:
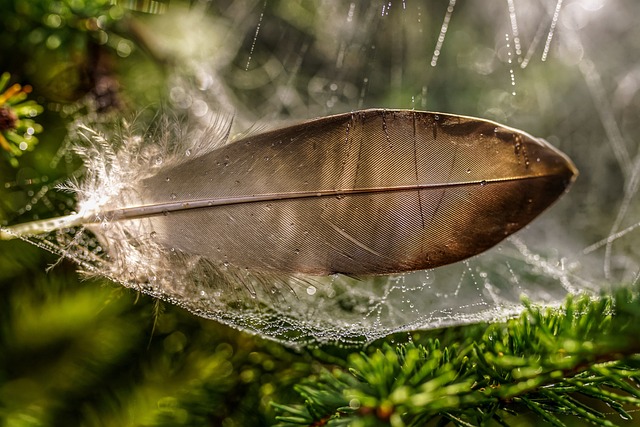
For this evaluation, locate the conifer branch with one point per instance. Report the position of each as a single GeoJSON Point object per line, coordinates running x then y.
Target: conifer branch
{"type": "Point", "coordinates": [550, 362]}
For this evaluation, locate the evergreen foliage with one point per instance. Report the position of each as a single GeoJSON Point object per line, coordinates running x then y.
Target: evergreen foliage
{"type": "Point", "coordinates": [550, 362]}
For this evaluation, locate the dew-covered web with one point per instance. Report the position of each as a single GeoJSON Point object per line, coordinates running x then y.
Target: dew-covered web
{"type": "Point", "coordinates": [560, 70]}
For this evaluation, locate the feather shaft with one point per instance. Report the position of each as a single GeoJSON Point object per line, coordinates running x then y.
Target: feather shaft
{"type": "Point", "coordinates": [145, 211]}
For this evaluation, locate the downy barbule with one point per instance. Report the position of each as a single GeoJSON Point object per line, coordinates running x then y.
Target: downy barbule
{"type": "Point", "coordinates": [203, 223]}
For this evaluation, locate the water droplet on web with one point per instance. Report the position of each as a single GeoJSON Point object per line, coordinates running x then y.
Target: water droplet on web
{"type": "Point", "coordinates": [514, 29]}
{"type": "Point", "coordinates": [552, 28]}
{"type": "Point", "coordinates": [443, 33]}
{"type": "Point", "coordinates": [510, 61]}
{"type": "Point", "coordinates": [173, 196]}
{"type": "Point", "coordinates": [352, 8]}
{"type": "Point", "coordinates": [255, 36]}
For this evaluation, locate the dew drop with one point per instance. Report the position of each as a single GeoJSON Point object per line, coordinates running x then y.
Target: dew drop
{"type": "Point", "coordinates": [483, 183]}
{"type": "Point", "coordinates": [255, 36]}
{"type": "Point", "coordinates": [624, 416]}
{"type": "Point", "coordinates": [443, 33]}
{"type": "Point", "coordinates": [173, 196]}
{"type": "Point", "coordinates": [468, 170]}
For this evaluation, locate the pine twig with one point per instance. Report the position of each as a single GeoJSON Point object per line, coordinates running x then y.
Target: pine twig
{"type": "Point", "coordinates": [544, 361]}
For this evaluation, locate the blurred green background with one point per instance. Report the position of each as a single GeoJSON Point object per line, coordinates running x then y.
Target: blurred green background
{"type": "Point", "coordinates": [89, 353]}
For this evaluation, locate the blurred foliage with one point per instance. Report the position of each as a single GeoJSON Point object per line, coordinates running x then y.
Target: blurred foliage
{"type": "Point", "coordinates": [17, 127]}
{"type": "Point", "coordinates": [93, 354]}
{"type": "Point", "coordinates": [68, 36]}
{"type": "Point", "coordinates": [84, 354]}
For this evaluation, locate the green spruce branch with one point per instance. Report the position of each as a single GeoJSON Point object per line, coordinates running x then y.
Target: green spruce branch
{"type": "Point", "coordinates": [553, 363]}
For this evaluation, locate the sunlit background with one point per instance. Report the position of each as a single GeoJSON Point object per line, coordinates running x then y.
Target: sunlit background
{"type": "Point", "coordinates": [76, 352]}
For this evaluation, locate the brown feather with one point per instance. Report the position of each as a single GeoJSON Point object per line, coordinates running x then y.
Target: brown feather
{"type": "Point", "coordinates": [369, 192]}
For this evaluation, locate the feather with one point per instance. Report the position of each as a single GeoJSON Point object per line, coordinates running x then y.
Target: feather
{"type": "Point", "coordinates": [365, 193]}
{"type": "Point", "coordinates": [242, 232]}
